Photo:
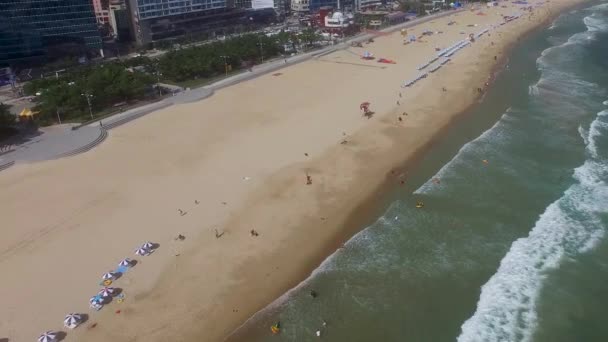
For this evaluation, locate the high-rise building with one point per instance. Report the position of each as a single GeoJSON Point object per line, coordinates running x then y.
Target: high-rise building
{"type": "Point", "coordinates": [315, 5]}
{"type": "Point", "coordinates": [157, 19]}
{"type": "Point", "coordinates": [36, 29]}
{"type": "Point", "coordinates": [300, 6]}
{"type": "Point", "coordinates": [120, 21]}
{"type": "Point", "coordinates": [102, 11]}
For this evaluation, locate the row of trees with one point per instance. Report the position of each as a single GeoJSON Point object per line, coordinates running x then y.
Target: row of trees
{"type": "Point", "coordinates": [68, 95]}
{"type": "Point", "coordinates": [210, 59]}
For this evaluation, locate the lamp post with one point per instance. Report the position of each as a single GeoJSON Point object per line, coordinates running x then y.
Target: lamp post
{"type": "Point", "coordinates": [158, 75]}
{"type": "Point", "coordinates": [58, 117]}
{"type": "Point", "coordinates": [261, 45]}
{"type": "Point", "coordinates": [225, 64]}
{"type": "Point", "coordinates": [88, 97]}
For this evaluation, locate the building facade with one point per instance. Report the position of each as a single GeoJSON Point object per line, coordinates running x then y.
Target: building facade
{"type": "Point", "coordinates": [120, 21]}
{"type": "Point", "coordinates": [158, 20]}
{"type": "Point", "coordinates": [102, 11]}
{"type": "Point", "coordinates": [38, 29]}
{"type": "Point", "coordinates": [315, 5]}
{"type": "Point", "coordinates": [300, 6]}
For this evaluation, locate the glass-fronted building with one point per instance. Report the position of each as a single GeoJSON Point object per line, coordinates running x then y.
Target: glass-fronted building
{"type": "Point", "coordinates": [31, 29]}
{"type": "Point", "coordinates": [159, 8]}
{"type": "Point", "coordinates": [315, 5]}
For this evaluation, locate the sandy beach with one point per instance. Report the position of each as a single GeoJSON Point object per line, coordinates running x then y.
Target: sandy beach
{"type": "Point", "coordinates": [235, 162]}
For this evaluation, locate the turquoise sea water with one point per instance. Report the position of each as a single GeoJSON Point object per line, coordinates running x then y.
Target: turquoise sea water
{"type": "Point", "coordinates": [514, 249]}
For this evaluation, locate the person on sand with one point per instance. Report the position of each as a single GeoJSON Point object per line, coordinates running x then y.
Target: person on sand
{"type": "Point", "coordinates": [400, 119]}
{"type": "Point", "coordinates": [254, 233]}
{"type": "Point", "coordinates": [308, 179]}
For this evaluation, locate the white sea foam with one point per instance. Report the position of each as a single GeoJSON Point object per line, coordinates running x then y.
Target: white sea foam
{"type": "Point", "coordinates": [429, 186]}
{"type": "Point", "coordinates": [594, 23]}
{"type": "Point", "coordinates": [584, 134]}
{"type": "Point", "coordinates": [596, 129]}
{"type": "Point", "coordinates": [506, 310]}
{"type": "Point", "coordinates": [605, 103]}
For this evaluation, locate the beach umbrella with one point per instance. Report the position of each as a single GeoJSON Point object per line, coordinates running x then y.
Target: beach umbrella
{"type": "Point", "coordinates": [142, 251]}
{"type": "Point", "coordinates": [107, 292]}
{"type": "Point", "coordinates": [49, 336]}
{"type": "Point", "coordinates": [148, 245]}
{"type": "Point", "coordinates": [108, 276]}
{"type": "Point", "coordinates": [72, 320]}
{"type": "Point", "coordinates": [126, 263]}
{"type": "Point", "coordinates": [96, 300]}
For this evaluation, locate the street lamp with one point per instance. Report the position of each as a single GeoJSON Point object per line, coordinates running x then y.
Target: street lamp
{"type": "Point", "coordinates": [261, 45]}
{"type": "Point", "coordinates": [225, 64]}
{"type": "Point", "coordinates": [158, 75]}
{"type": "Point", "coordinates": [88, 97]}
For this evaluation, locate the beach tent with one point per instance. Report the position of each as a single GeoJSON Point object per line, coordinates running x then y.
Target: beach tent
{"type": "Point", "coordinates": [126, 263]}
{"type": "Point", "coordinates": [72, 320]}
{"type": "Point", "coordinates": [107, 292]}
{"type": "Point", "coordinates": [49, 336]}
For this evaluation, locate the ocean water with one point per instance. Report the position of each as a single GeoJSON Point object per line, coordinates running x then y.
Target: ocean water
{"type": "Point", "coordinates": [511, 243]}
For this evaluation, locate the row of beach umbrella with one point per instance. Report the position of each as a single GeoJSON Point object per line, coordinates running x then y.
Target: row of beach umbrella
{"type": "Point", "coordinates": [410, 83]}
{"type": "Point", "coordinates": [482, 33]}
{"type": "Point", "coordinates": [449, 49]}
{"type": "Point", "coordinates": [428, 63]}
{"type": "Point", "coordinates": [105, 294]}
{"type": "Point", "coordinates": [460, 46]}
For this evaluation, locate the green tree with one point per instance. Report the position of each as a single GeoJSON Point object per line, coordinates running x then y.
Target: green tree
{"type": "Point", "coordinates": [7, 119]}
{"type": "Point", "coordinates": [309, 36]}
{"type": "Point", "coordinates": [108, 84]}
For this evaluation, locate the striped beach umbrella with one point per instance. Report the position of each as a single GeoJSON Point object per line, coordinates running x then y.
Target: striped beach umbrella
{"type": "Point", "coordinates": [142, 251]}
{"type": "Point", "coordinates": [108, 276]}
{"type": "Point", "coordinates": [126, 263]}
{"type": "Point", "coordinates": [148, 245]}
{"type": "Point", "coordinates": [49, 336]}
{"type": "Point", "coordinates": [72, 320]}
{"type": "Point", "coordinates": [107, 292]}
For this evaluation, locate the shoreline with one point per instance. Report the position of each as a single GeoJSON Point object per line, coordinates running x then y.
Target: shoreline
{"type": "Point", "coordinates": [374, 204]}
{"type": "Point", "coordinates": [242, 163]}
